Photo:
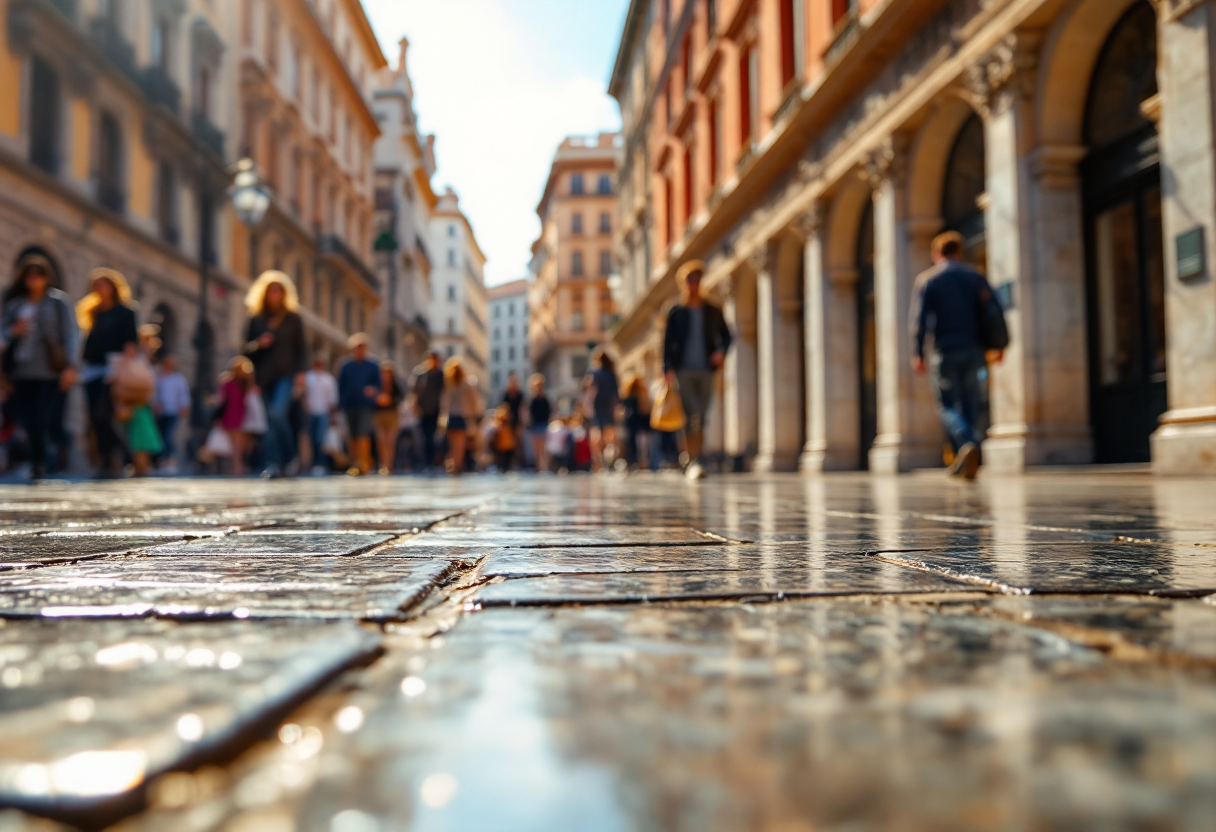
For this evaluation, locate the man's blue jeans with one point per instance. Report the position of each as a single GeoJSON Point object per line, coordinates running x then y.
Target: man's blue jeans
{"type": "Point", "coordinates": [280, 444]}
{"type": "Point", "coordinates": [318, 426]}
{"type": "Point", "coordinates": [956, 386]}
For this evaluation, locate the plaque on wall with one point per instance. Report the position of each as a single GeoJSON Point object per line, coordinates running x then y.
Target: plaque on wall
{"type": "Point", "coordinates": [1190, 250]}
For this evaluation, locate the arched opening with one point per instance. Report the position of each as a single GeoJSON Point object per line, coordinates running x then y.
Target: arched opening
{"type": "Point", "coordinates": [1125, 264]}
{"type": "Point", "coordinates": [962, 210]}
{"type": "Point", "coordinates": [867, 336]}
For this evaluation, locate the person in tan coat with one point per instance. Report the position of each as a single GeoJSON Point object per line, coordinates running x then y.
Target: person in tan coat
{"type": "Point", "coordinates": [460, 409]}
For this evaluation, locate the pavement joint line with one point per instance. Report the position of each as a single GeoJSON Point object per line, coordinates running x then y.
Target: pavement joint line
{"type": "Point", "coordinates": [921, 566]}
{"type": "Point", "coordinates": [752, 597]}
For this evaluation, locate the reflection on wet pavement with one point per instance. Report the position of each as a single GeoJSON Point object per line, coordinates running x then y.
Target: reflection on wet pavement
{"type": "Point", "coordinates": [777, 654]}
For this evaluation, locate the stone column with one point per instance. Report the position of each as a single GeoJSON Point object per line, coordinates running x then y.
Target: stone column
{"type": "Point", "coordinates": [908, 433]}
{"type": "Point", "coordinates": [830, 353]}
{"type": "Point", "coordinates": [1186, 441]}
{"type": "Point", "coordinates": [739, 374]}
{"type": "Point", "coordinates": [766, 359]}
{"type": "Point", "coordinates": [1038, 393]}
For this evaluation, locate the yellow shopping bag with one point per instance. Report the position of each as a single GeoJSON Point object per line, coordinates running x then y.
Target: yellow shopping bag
{"type": "Point", "coordinates": [667, 415]}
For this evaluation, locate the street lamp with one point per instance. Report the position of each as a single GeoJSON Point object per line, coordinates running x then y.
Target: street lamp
{"type": "Point", "coordinates": [250, 201]}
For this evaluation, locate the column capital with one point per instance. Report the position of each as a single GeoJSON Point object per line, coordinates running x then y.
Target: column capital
{"type": "Point", "coordinates": [1055, 165]}
{"type": "Point", "coordinates": [886, 162]}
{"type": "Point", "coordinates": [1004, 74]}
{"type": "Point", "coordinates": [810, 220]}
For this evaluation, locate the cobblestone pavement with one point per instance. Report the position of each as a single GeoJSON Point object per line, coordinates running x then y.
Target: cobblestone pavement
{"type": "Point", "coordinates": [587, 653]}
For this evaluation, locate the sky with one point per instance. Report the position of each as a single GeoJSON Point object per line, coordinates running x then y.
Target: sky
{"type": "Point", "coordinates": [500, 83]}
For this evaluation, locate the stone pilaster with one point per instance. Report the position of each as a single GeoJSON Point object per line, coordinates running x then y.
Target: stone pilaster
{"type": "Point", "coordinates": [908, 434]}
{"type": "Point", "coordinates": [760, 262]}
{"type": "Point", "coordinates": [1186, 441]}
{"type": "Point", "coordinates": [739, 375]}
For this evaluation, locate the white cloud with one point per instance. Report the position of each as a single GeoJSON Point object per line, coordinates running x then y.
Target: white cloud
{"type": "Point", "coordinates": [486, 85]}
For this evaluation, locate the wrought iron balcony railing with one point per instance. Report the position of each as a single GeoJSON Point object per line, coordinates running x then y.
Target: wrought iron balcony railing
{"type": "Point", "coordinates": [160, 88]}
{"type": "Point", "coordinates": [207, 133]}
{"type": "Point", "coordinates": [333, 245]}
{"type": "Point", "coordinates": [114, 45]}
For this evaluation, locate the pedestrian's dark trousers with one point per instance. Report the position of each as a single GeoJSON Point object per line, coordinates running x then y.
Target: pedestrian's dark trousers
{"type": "Point", "coordinates": [38, 407]}
{"type": "Point", "coordinates": [956, 387]}
{"type": "Point", "coordinates": [101, 419]}
{"type": "Point", "coordinates": [429, 426]}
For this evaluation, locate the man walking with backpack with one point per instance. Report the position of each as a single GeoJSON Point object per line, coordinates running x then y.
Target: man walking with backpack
{"type": "Point", "coordinates": [954, 303]}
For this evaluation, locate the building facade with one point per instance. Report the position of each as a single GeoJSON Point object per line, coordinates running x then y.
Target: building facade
{"type": "Point", "coordinates": [809, 151]}
{"type": "Point", "coordinates": [459, 305]}
{"type": "Point", "coordinates": [116, 124]}
{"type": "Point", "coordinates": [307, 75]}
{"type": "Point", "coordinates": [571, 304]}
{"type": "Point", "coordinates": [405, 163]}
{"type": "Point", "coordinates": [508, 335]}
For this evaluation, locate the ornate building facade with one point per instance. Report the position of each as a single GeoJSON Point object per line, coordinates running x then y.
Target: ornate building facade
{"type": "Point", "coordinates": [809, 151]}
{"type": "Point", "coordinates": [308, 71]}
{"type": "Point", "coordinates": [459, 306]}
{"type": "Point", "coordinates": [571, 307]}
{"type": "Point", "coordinates": [116, 121]}
{"type": "Point", "coordinates": [405, 163]}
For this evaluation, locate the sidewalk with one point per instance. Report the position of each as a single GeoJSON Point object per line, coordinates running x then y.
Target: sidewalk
{"type": "Point", "coordinates": [610, 653]}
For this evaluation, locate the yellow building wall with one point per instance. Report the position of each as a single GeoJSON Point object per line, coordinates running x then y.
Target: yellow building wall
{"type": "Point", "coordinates": [82, 134]}
{"type": "Point", "coordinates": [140, 195]}
{"type": "Point", "coordinates": [10, 80]}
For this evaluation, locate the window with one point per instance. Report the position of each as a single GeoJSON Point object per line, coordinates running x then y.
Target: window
{"type": "Point", "coordinates": [44, 116]}
{"type": "Point", "coordinates": [347, 317]}
{"type": "Point", "coordinates": [578, 366]}
{"type": "Point", "coordinates": [711, 16]}
{"type": "Point", "coordinates": [166, 202]}
{"type": "Point", "coordinates": [272, 39]}
{"type": "Point", "coordinates": [789, 41]}
{"type": "Point", "coordinates": [316, 294]}
{"type": "Point", "coordinates": [714, 162]}
{"type": "Point", "coordinates": [745, 95]}
{"type": "Point", "coordinates": [606, 321]}
{"type": "Point", "coordinates": [576, 322]}
{"type": "Point", "coordinates": [451, 326]}
{"type": "Point", "coordinates": [451, 231]}
{"type": "Point", "coordinates": [451, 293]}
{"type": "Point", "coordinates": [449, 352]}
{"type": "Point", "coordinates": [495, 375]}
{"type": "Point", "coordinates": [605, 262]}
{"type": "Point", "coordinates": [668, 211]}
{"type": "Point", "coordinates": [604, 186]}
{"type": "Point", "coordinates": [451, 257]}
{"type": "Point", "coordinates": [576, 264]}
{"type": "Point", "coordinates": [605, 223]}
{"type": "Point", "coordinates": [109, 164]}
{"type": "Point", "coordinates": [162, 34]}
{"type": "Point", "coordinates": [842, 9]}
{"type": "Point", "coordinates": [510, 353]}
{"type": "Point", "coordinates": [496, 356]}
{"type": "Point", "coordinates": [511, 309]}
{"type": "Point", "coordinates": [511, 331]}
{"type": "Point", "coordinates": [525, 352]}
{"type": "Point", "coordinates": [576, 184]}
{"type": "Point", "coordinates": [576, 224]}
{"type": "Point", "coordinates": [686, 62]}
{"type": "Point", "coordinates": [688, 185]}
{"type": "Point", "coordinates": [497, 311]}
{"type": "Point", "coordinates": [202, 95]}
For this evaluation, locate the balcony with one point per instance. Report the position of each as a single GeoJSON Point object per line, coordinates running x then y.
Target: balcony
{"type": "Point", "coordinates": [330, 245]}
{"type": "Point", "coordinates": [207, 133]}
{"type": "Point", "coordinates": [160, 88]}
{"type": "Point", "coordinates": [113, 44]}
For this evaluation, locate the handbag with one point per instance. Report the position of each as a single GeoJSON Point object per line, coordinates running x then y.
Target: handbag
{"type": "Point", "coordinates": [255, 421]}
{"type": "Point", "coordinates": [218, 444]}
{"type": "Point", "coordinates": [334, 446]}
{"type": "Point", "coordinates": [667, 415]}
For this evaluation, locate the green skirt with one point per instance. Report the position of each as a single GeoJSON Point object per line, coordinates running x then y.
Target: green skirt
{"type": "Point", "coordinates": [142, 433]}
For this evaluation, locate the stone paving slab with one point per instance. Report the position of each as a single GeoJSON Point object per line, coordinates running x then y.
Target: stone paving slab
{"type": "Point", "coordinates": [273, 544]}
{"type": "Point", "coordinates": [1143, 568]}
{"type": "Point", "coordinates": [577, 536]}
{"type": "Point", "coordinates": [836, 575]}
{"type": "Point", "coordinates": [141, 697]}
{"type": "Point", "coordinates": [261, 587]}
{"type": "Point", "coordinates": [20, 551]}
{"type": "Point", "coordinates": [797, 716]}
{"type": "Point", "coordinates": [747, 557]}
{"type": "Point", "coordinates": [397, 522]}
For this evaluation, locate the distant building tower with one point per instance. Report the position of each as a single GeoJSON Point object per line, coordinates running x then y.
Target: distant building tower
{"type": "Point", "coordinates": [458, 290]}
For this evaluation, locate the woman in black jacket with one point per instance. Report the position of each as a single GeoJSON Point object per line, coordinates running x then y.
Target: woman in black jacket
{"type": "Point", "coordinates": [107, 314]}
{"type": "Point", "coordinates": [276, 345]}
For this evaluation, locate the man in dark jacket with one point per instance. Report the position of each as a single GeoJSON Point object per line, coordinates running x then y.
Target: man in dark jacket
{"type": "Point", "coordinates": [428, 389]}
{"type": "Point", "coordinates": [948, 303]}
{"type": "Point", "coordinates": [694, 346]}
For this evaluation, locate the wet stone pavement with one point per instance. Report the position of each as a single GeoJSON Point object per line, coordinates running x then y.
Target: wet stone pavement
{"type": "Point", "coordinates": [780, 654]}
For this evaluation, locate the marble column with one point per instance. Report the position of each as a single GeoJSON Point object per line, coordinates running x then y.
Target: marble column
{"type": "Point", "coordinates": [830, 353]}
{"type": "Point", "coordinates": [1186, 441]}
{"type": "Point", "coordinates": [1032, 216]}
{"type": "Point", "coordinates": [739, 374]}
{"type": "Point", "coordinates": [909, 435]}
{"type": "Point", "coordinates": [761, 264]}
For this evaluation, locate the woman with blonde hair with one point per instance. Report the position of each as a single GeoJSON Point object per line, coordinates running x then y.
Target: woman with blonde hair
{"type": "Point", "coordinates": [460, 408]}
{"type": "Point", "coordinates": [107, 315]}
{"type": "Point", "coordinates": [276, 345]}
